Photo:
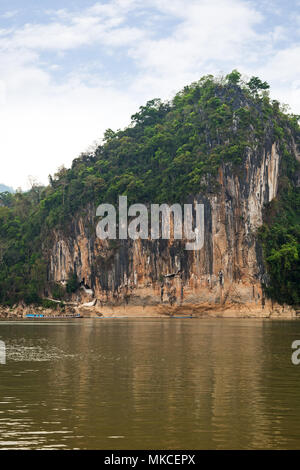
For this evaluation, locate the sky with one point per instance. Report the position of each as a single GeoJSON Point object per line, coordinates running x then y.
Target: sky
{"type": "Point", "coordinates": [70, 69]}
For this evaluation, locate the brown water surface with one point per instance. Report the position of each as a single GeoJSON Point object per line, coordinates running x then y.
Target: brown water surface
{"type": "Point", "coordinates": [149, 384]}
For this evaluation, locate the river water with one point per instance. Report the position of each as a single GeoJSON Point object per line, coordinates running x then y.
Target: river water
{"type": "Point", "coordinates": [149, 384]}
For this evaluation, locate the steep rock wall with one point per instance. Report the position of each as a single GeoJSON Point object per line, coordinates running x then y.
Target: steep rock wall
{"type": "Point", "coordinates": [225, 274]}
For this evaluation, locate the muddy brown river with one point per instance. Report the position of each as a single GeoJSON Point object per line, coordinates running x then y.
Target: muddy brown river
{"type": "Point", "coordinates": [149, 384]}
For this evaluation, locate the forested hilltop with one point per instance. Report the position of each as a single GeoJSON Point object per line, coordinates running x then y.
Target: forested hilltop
{"type": "Point", "coordinates": [170, 151]}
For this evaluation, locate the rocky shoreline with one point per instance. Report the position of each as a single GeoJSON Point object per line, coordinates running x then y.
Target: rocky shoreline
{"type": "Point", "coordinates": [229, 310]}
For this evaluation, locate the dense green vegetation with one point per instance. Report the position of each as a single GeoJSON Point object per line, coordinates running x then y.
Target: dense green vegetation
{"type": "Point", "coordinates": [280, 237]}
{"type": "Point", "coordinates": [169, 151]}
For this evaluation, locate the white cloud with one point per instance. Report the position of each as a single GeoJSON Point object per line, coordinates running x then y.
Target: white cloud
{"type": "Point", "coordinates": [209, 33]}
{"type": "Point", "coordinates": [282, 71]}
{"type": "Point", "coordinates": [53, 125]}
{"type": "Point", "coordinates": [9, 14]}
{"type": "Point", "coordinates": [82, 31]}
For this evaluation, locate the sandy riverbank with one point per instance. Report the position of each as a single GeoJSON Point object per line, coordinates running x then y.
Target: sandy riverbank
{"type": "Point", "coordinates": [196, 311]}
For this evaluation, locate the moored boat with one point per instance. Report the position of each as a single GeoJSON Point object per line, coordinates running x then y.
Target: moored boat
{"type": "Point", "coordinates": [52, 317]}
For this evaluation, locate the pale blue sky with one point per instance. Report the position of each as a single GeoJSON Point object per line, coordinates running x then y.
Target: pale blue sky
{"type": "Point", "coordinates": [71, 69]}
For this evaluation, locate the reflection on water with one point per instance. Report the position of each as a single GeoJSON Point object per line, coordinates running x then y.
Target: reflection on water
{"type": "Point", "coordinates": [149, 384]}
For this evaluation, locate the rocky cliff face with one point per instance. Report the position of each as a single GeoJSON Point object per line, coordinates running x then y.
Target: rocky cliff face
{"type": "Point", "coordinates": [224, 276]}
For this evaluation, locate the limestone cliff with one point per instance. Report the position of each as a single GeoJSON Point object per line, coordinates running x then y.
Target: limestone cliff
{"type": "Point", "coordinates": [224, 276]}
